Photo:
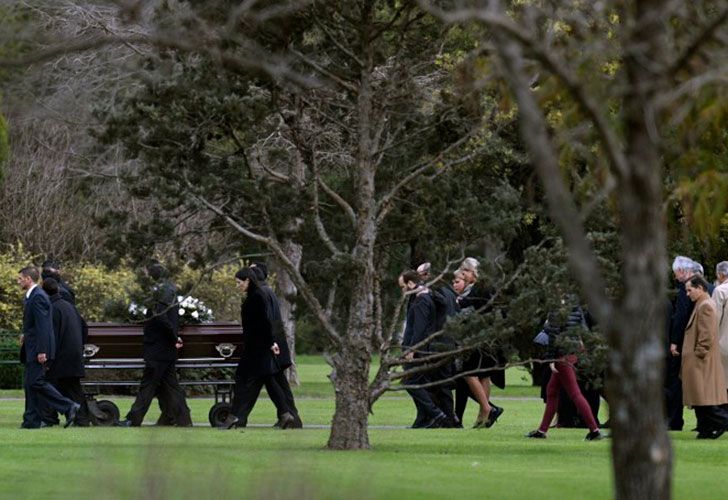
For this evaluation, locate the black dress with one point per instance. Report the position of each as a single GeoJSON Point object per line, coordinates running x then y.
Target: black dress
{"type": "Point", "coordinates": [478, 300]}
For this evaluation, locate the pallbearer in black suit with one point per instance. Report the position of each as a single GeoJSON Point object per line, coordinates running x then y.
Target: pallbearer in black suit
{"type": "Point", "coordinates": [161, 342]}
{"type": "Point", "coordinates": [37, 351]}
{"type": "Point", "coordinates": [66, 370]}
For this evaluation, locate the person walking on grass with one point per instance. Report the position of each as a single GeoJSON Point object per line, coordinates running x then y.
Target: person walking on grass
{"type": "Point", "coordinates": [65, 373]}
{"type": "Point", "coordinates": [37, 352]}
{"type": "Point", "coordinates": [563, 375]}
{"type": "Point", "coordinates": [480, 365]}
{"type": "Point", "coordinates": [420, 324]}
{"type": "Point", "coordinates": [259, 360]}
{"type": "Point", "coordinates": [703, 380]}
{"type": "Point", "coordinates": [720, 296]}
{"type": "Point", "coordinates": [161, 343]}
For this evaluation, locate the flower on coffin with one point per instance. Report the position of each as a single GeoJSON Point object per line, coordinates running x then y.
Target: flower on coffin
{"type": "Point", "coordinates": [193, 311]}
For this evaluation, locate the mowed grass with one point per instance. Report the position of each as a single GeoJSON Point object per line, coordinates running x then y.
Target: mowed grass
{"type": "Point", "coordinates": [260, 462]}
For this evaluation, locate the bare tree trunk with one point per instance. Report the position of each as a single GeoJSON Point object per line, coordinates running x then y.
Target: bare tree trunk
{"type": "Point", "coordinates": [641, 453]}
{"type": "Point", "coordinates": [287, 296]}
{"type": "Point", "coordinates": [349, 427]}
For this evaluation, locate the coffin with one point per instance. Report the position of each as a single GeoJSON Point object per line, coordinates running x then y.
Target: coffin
{"type": "Point", "coordinates": [207, 343]}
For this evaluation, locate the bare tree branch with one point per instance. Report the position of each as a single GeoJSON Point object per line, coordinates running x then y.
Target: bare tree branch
{"type": "Point", "coordinates": [277, 250]}
{"type": "Point", "coordinates": [703, 37]}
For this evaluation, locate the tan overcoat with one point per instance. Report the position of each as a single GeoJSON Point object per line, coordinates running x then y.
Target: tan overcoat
{"type": "Point", "coordinates": [720, 296]}
{"type": "Point", "coordinates": [701, 371]}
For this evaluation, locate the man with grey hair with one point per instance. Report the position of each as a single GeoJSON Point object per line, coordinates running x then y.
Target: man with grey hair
{"type": "Point", "coordinates": [720, 296]}
{"type": "Point", "coordinates": [683, 269]}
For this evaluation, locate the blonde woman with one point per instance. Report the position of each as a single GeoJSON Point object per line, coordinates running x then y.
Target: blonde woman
{"type": "Point", "coordinates": [476, 297]}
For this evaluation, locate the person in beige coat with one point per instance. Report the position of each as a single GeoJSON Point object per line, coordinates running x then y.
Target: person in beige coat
{"type": "Point", "coordinates": [704, 386]}
{"type": "Point", "coordinates": [720, 296]}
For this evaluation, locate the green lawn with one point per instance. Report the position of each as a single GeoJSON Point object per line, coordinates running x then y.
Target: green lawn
{"type": "Point", "coordinates": [259, 462]}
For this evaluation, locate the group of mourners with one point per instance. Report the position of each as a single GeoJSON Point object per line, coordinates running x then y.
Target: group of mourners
{"type": "Point", "coordinates": [697, 349]}
{"type": "Point", "coordinates": [54, 334]}
{"type": "Point", "coordinates": [696, 373]}
{"type": "Point", "coordinates": [428, 307]}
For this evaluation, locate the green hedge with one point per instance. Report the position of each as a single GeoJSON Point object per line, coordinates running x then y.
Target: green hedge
{"type": "Point", "coordinates": [11, 371]}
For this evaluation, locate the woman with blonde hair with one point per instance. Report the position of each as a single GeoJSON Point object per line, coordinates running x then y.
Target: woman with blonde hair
{"type": "Point", "coordinates": [475, 297]}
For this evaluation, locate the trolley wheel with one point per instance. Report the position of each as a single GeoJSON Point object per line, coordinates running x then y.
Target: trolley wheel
{"type": "Point", "coordinates": [105, 413]}
{"type": "Point", "coordinates": [219, 413]}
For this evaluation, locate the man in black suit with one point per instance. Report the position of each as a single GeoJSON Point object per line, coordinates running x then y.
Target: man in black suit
{"type": "Point", "coordinates": [66, 370]}
{"type": "Point", "coordinates": [420, 324]}
{"type": "Point", "coordinates": [161, 342]}
{"type": "Point", "coordinates": [37, 351]}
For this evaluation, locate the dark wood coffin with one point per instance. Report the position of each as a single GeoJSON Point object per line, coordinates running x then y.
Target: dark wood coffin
{"type": "Point", "coordinates": [202, 343]}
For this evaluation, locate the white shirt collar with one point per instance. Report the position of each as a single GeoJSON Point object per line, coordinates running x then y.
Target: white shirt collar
{"type": "Point", "coordinates": [30, 290]}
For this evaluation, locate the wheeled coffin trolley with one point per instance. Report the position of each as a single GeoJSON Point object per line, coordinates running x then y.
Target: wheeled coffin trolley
{"type": "Point", "coordinates": [119, 347]}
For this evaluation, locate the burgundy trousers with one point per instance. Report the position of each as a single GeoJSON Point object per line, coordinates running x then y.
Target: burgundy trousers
{"type": "Point", "coordinates": [566, 378]}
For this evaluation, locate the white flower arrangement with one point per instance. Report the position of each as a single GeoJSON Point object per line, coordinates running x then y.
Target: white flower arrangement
{"type": "Point", "coordinates": [193, 310]}
{"type": "Point", "coordinates": [137, 312]}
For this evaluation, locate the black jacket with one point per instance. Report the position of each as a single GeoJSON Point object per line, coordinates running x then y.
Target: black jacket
{"type": "Point", "coordinates": [421, 320]}
{"type": "Point", "coordinates": [478, 298]}
{"type": "Point", "coordinates": [162, 326]}
{"type": "Point", "coordinates": [681, 311]}
{"type": "Point", "coordinates": [555, 327]}
{"type": "Point", "coordinates": [37, 327]}
{"type": "Point", "coordinates": [70, 333]}
{"type": "Point", "coordinates": [66, 292]}
{"type": "Point", "coordinates": [257, 359]}
{"type": "Point", "coordinates": [279, 334]}
{"type": "Point", "coordinates": [446, 304]}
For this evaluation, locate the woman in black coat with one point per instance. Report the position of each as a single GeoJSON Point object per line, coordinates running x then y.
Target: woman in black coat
{"type": "Point", "coordinates": [259, 360]}
{"type": "Point", "coordinates": [476, 298]}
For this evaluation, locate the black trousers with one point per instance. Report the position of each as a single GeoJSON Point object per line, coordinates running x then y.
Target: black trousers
{"type": "Point", "coordinates": [158, 375]}
{"type": "Point", "coordinates": [278, 384]}
{"type": "Point", "coordinates": [673, 394]}
{"type": "Point", "coordinates": [711, 418]}
{"type": "Point", "coordinates": [425, 404]}
{"type": "Point", "coordinates": [173, 407]}
{"type": "Point", "coordinates": [70, 387]}
{"type": "Point", "coordinates": [246, 392]}
{"type": "Point", "coordinates": [40, 394]}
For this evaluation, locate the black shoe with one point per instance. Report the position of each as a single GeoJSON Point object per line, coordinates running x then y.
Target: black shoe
{"type": "Point", "coordinates": [230, 422]}
{"type": "Point", "coordinates": [436, 422]}
{"type": "Point", "coordinates": [124, 423]}
{"type": "Point", "coordinates": [419, 422]}
{"type": "Point", "coordinates": [297, 422]}
{"type": "Point", "coordinates": [607, 424]}
{"type": "Point", "coordinates": [451, 423]}
{"type": "Point", "coordinates": [537, 434]}
{"type": "Point", "coordinates": [711, 434]}
{"type": "Point", "coordinates": [594, 436]}
{"type": "Point", "coordinates": [45, 425]}
{"type": "Point", "coordinates": [287, 421]}
{"type": "Point", "coordinates": [495, 412]}
{"type": "Point", "coordinates": [72, 413]}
